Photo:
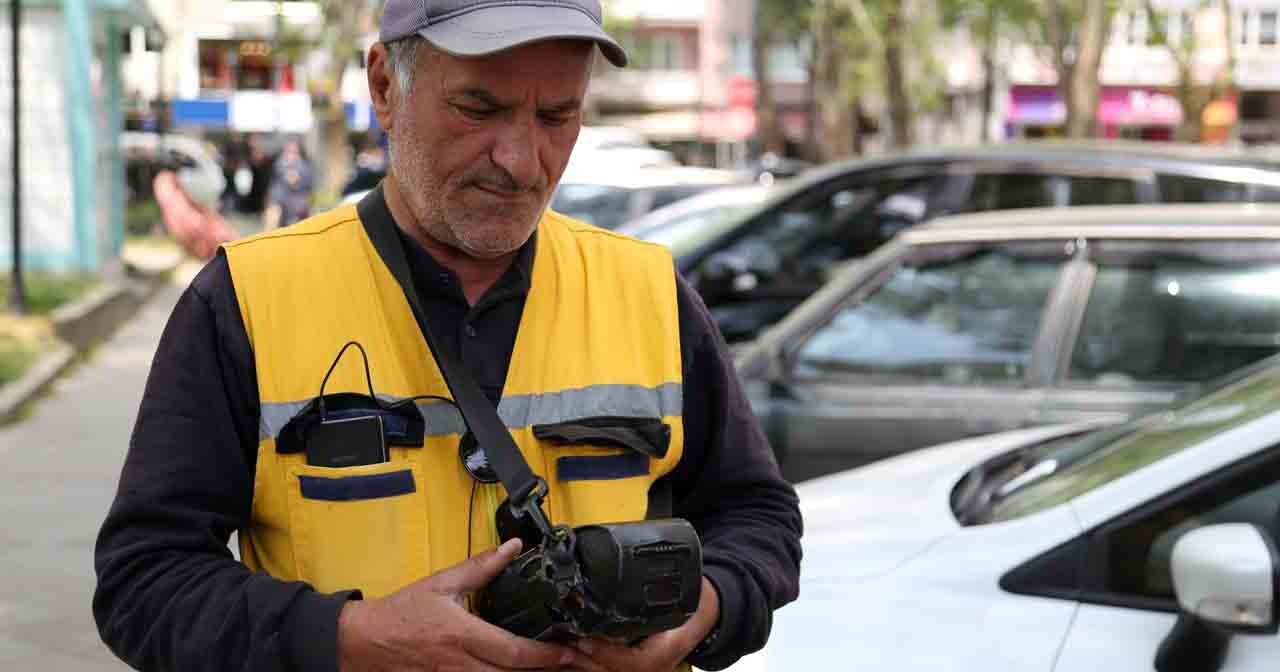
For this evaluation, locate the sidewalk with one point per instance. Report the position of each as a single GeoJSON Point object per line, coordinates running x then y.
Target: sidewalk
{"type": "Point", "coordinates": [58, 476]}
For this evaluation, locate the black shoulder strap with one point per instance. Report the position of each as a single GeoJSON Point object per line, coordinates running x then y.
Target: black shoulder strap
{"type": "Point", "coordinates": [477, 412]}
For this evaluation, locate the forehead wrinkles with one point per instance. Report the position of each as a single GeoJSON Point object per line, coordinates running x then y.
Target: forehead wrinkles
{"type": "Point", "coordinates": [548, 75]}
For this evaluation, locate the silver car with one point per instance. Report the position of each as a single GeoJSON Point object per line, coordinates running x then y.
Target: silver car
{"type": "Point", "coordinates": [982, 323]}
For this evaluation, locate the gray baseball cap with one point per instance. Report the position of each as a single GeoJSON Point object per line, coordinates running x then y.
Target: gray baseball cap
{"type": "Point", "coordinates": [480, 27]}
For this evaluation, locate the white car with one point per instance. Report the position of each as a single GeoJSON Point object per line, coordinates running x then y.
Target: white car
{"type": "Point", "coordinates": [610, 197]}
{"type": "Point", "coordinates": [689, 222]}
{"type": "Point", "coordinates": [1147, 545]}
{"type": "Point", "coordinates": [196, 163]}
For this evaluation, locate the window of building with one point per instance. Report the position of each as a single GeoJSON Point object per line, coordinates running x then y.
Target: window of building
{"type": "Point", "coordinates": [656, 51]}
{"type": "Point", "coordinates": [1138, 27]}
{"type": "Point", "coordinates": [739, 62]}
{"type": "Point", "coordinates": [1187, 24]}
{"type": "Point", "coordinates": [1267, 29]}
{"type": "Point", "coordinates": [1244, 26]}
{"type": "Point", "coordinates": [789, 62]}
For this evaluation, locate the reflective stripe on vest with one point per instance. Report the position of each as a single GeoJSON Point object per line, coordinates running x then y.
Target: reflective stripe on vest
{"type": "Point", "coordinates": [520, 411]}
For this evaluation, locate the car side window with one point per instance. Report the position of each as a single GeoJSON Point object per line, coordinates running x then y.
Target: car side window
{"type": "Point", "coordinates": [1177, 320]}
{"type": "Point", "coordinates": [1009, 191]}
{"type": "Point", "coordinates": [1137, 554]}
{"type": "Point", "coordinates": [962, 321]}
{"type": "Point", "coordinates": [1094, 190]}
{"type": "Point", "coordinates": [1186, 189]}
{"type": "Point", "coordinates": [1266, 194]}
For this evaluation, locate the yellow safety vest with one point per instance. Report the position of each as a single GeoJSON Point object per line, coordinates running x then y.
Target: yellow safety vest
{"type": "Point", "coordinates": [599, 337]}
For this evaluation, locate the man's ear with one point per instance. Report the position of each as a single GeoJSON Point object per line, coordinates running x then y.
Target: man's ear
{"type": "Point", "coordinates": [382, 91]}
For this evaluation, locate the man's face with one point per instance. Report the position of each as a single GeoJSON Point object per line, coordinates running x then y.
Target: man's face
{"type": "Point", "coordinates": [479, 145]}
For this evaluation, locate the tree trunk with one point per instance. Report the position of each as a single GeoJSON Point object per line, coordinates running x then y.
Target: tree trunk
{"type": "Point", "coordinates": [830, 103]}
{"type": "Point", "coordinates": [1082, 103]}
{"type": "Point", "coordinates": [811, 152]}
{"type": "Point", "coordinates": [990, 36]}
{"type": "Point", "coordinates": [343, 16]}
{"type": "Point", "coordinates": [767, 126]}
{"type": "Point", "coordinates": [895, 75]}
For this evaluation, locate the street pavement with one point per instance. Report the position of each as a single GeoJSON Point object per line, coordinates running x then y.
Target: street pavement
{"type": "Point", "coordinates": [58, 473]}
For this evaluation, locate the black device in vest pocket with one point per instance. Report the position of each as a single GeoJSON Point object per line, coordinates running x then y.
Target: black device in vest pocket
{"type": "Point", "coordinates": [347, 442]}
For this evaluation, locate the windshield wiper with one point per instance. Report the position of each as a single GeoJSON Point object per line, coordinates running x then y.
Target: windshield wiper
{"type": "Point", "coordinates": [1041, 469]}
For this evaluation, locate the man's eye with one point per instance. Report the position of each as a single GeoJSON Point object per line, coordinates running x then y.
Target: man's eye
{"type": "Point", "coordinates": [554, 120]}
{"type": "Point", "coordinates": [476, 113]}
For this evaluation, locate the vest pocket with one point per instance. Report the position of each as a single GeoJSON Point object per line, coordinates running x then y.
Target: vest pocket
{"type": "Point", "coordinates": [359, 527]}
{"type": "Point", "coordinates": [603, 466]}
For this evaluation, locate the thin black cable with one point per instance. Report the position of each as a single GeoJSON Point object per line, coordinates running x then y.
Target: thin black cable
{"type": "Point", "coordinates": [471, 509]}
{"type": "Point", "coordinates": [368, 377]}
{"type": "Point", "coordinates": [423, 397]}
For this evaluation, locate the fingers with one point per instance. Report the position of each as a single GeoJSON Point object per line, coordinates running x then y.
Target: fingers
{"type": "Point", "coordinates": [496, 646]}
{"type": "Point", "coordinates": [662, 651]}
{"type": "Point", "coordinates": [475, 573]}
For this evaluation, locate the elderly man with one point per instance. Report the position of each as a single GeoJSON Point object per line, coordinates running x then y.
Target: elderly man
{"type": "Point", "coordinates": [577, 336]}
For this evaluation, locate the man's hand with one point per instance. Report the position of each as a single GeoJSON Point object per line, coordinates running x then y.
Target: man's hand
{"type": "Point", "coordinates": [661, 652]}
{"type": "Point", "coordinates": [425, 626]}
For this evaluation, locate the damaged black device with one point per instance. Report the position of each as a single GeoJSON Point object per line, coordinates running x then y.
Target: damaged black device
{"type": "Point", "coordinates": [623, 580]}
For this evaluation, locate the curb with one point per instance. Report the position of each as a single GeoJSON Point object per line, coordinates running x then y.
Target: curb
{"type": "Point", "coordinates": [81, 325]}
{"type": "Point", "coordinates": [34, 382]}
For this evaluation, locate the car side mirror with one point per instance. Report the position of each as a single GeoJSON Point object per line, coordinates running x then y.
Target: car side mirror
{"type": "Point", "coordinates": [1227, 581]}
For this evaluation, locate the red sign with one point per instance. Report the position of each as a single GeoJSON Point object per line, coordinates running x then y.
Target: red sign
{"type": "Point", "coordinates": [741, 92]}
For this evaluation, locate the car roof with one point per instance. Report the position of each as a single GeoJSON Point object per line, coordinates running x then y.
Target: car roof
{"type": "Point", "coordinates": [639, 178]}
{"type": "Point", "coordinates": [1101, 153]}
{"type": "Point", "coordinates": [1172, 221]}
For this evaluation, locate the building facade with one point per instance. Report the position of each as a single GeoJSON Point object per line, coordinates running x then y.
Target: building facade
{"type": "Point", "coordinates": [72, 168]}
{"type": "Point", "coordinates": [1139, 76]}
{"type": "Point", "coordinates": [229, 65]}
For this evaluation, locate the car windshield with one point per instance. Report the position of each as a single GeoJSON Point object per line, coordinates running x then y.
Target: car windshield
{"type": "Point", "coordinates": [686, 233]}
{"type": "Point", "coordinates": [1064, 469]}
{"type": "Point", "coordinates": [603, 206]}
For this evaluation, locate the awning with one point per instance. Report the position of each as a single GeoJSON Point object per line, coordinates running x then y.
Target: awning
{"type": "Point", "coordinates": [1138, 107]}
{"type": "Point", "coordinates": [138, 12]}
{"type": "Point", "coordinates": [1036, 106]}
{"type": "Point", "coordinates": [1119, 106]}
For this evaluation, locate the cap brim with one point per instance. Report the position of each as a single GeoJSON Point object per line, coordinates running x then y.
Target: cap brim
{"type": "Point", "coordinates": [476, 33]}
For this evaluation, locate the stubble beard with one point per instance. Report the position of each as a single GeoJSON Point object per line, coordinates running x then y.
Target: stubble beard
{"type": "Point", "coordinates": [481, 233]}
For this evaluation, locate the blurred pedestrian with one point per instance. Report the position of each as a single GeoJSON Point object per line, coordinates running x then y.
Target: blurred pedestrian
{"type": "Point", "coordinates": [292, 181]}
{"type": "Point", "coordinates": [238, 171]}
{"type": "Point", "coordinates": [371, 167]}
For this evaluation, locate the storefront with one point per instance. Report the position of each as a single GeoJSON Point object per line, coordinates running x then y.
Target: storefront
{"type": "Point", "coordinates": [1123, 112]}
{"type": "Point", "coordinates": [73, 106]}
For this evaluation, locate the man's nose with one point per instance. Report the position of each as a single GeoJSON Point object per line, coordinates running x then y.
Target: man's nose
{"type": "Point", "coordinates": [516, 152]}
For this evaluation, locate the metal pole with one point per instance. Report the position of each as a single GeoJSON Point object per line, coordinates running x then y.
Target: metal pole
{"type": "Point", "coordinates": [17, 292]}
{"type": "Point", "coordinates": [277, 65]}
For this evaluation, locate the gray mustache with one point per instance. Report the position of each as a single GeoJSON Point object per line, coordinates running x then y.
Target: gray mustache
{"type": "Point", "coordinates": [502, 181]}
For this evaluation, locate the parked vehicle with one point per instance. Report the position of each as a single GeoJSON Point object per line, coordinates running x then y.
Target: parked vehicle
{"type": "Point", "coordinates": [688, 222]}
{"type": "Point", "coordinates": [608, 198]}
{"type": "Point", "coordinates": [195, 163]}
{"type": "Point", "coordinates": [1148, 545]}
{"type": "Point", "coordinates": [764, 265]}
{"type": "Point", "coordinates": [981, 323]}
